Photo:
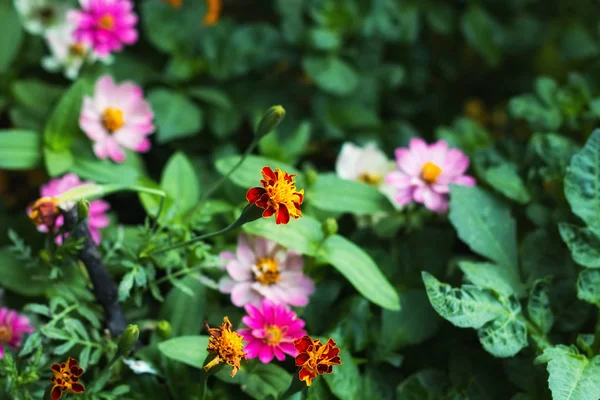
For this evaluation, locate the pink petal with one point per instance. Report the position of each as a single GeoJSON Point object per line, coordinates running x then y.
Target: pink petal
{"type": "Point", "coordinates": [239, 272]}
{"type": "Point", "coordinates": [101, 149]}
{"type": "Point", "coordinates": [266, 354]}
{"type": "Point", "coordinates": [408, 162]}
{"type": "Point", "coordinates": [464, 180]}
{"type": "Point", "coordinates": [243, 293]}
{"type": "Point", "coordinates": [288, 348]}
{"type": "Point", "coordinates": [252, 323]}
{"type": "Point", "coordinates": [435, 201]}
{"type": "Point", "coordinates": [115, 152]}
{"type": "Point", "coordinates": [244, 251]}
{"type": "Point", "coordinates": [253, 348]}
{"type": "Point", "coordinates": [278, 353]}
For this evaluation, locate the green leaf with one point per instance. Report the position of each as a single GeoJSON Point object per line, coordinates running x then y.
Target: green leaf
{"type": "Point", "coordinates": [248, 174]}
{"type": "Point", "coordinates": [504, 336]}
{"type": "Point", "coordinates": [303, 235]}
{"type": "Point", "coordinates": [12, 35]}
{"type": "Point", "coordinates": [181, 183]}
{"type": "Point", "coordinates": [63, 348]}
{"type": "Point", "coordinates": [361, 271]}
{"type": "Point", "coordinates": [57, 162]}
{"type": "Point", "coordinates": [331, 193]}
{"type": "Point", "coordinates": [179, 306]}
{"type": "Point", "coordinates": [265, 380]}
{"type": "Point", "coordinates": [486, 225]}
{"type": "Point", "coordinates": [584, 244]}
{"type": "Point", "coordinates": [104, 171]}
{"type": "Point", "coordinates": [427, 384]}
{"type": "Point", "coordinates": [344, 381]}
{"type": "Point", "coordinates": [582, 182]}
{"type": "Point", "coordinates": [212, 96]}
{"type": "Point", "coordinates": [490, 276]}
{"type": "Point", "coordinates": [37, 97]}
{"type": "Point", "coordinates": [190, 350]}
{"type": "Point", "coordinates": [19, 278]}
{"type": "Point", "coordinates": [332, 75]}
{"type": "Point", "coordinates": [572, 375]}
{"type": "Point", "coordinates": [505, 179]}
{"type": "Point", "coordinates": [588, 286]}
{"type": "Point", "coordinates": [538, 306]}
{"type": "Point", "coordinates": [19, 149]}
{"type": "Point", "coordinates": [467, 307]}
{"type": "Point", "coordinates": [176, 116]}
{"type": "Point", "coordinates": [484, 33]}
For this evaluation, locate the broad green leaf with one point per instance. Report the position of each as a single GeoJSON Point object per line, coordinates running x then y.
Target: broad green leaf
{"type": "Point", "coordinates": [572, 375]}
{"type": "Point", "coordinates": [486, 225]}
{"type": "Point", "coordinates": [538, 306]}
{"type": "Point", "coordinates": [361, 271]}
{"type": "Point", "coordinates": [12, 35]}
{"type": "Point", "coordinates": [181, 183]}
{"type": "Point", "coordinates": [19, 149]}
{"type": "Point", "coordinates": [303, 235]}
{"type": "Point", "coordinates": [57, 162]}
{"type": "Point", "coordinates": [428, 384]}
{"type": "Point", "coordinates": [248, 174]}
{"type": "Point", "coordinates": [332, 75]}
{"type": "Point", "coordinates": [184, 312]}
{"type": "Point", "coordinates": [582, 182]}
{"type": "Point", "coordinates": [63, 124]}
{"type": "Point", "coordinates": [266, 380]}
{"type": "Point", "coordinates": [104, 171]}
{"type": "Point", "coordinates": [213, 96]}
{"type": "Point", "coordinates": [18, 278]}
{"type": "Point", "coordinates": [331, 193]}
{"type": "Point", "coordinates": [504, 178]}
{"type": "Point", "coordinates": [190, 350]}
{"type": "Point", "coordinates": [37, 97]}
{"type": "Point", "coordinates": [584, 244]}
{"type": "Point", "coordinates": [344, 381]}
{"type": "Point", "coordinates": [467, 307]}
{"type": "Point", "coordinates": [176, 115]}
{"type": "Point", "coordinates": [588, 286]}
{"type": "Point", "coordinates": [483, 33]}
{"type": "Point", "coordinates": [465, 134]}
{"type": "Point", "coordinates": [490, 276]}
{"type": "Point", "coordinates": [507, 335]}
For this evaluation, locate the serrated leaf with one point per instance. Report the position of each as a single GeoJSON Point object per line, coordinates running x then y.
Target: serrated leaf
{"type": "Point", "coordinates": [126, 285]}
{"type": "Point", "coordinates": [588, 286]}
{"type": "Point", "coordinates": [504, 336]}
{"type": "Point", "coordinates": [84, 357]}
{"type": "Point", "coordinates": [584, 244]}
{"type": "Point", "coordinates": [63, 348]}
{"type": "Point", "coordinates": [538, 306]}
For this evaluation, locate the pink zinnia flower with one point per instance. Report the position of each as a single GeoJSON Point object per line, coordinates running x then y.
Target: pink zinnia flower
{"type": "Point", "coordinates": [425, 172]}
{"type": "Point", "coordinates": [261, 269]}
{"type": "Point", "coordinates": [271, 331]}
{"type": "Point", "coordinates": [117, 116]}
{"type": "Point", "coordinates": [12, 328]}
{"type": "Point", "coordinates": [105, 25]}
{"type": "Point", "coordinates": [96, 217]}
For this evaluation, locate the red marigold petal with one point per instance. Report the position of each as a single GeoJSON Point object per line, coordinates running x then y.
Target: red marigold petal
{"type": "Point", "coordinates": [56, 393]}
{"type": "Point", "coordinates": [303, 343]}
{"type": "Point", "coordinates": [283, 215]}
{"type": "Point", "coordinates": [254, 194]}
{"type": "Point", "coordinates": [300, 197]}
{"type": "Point", "coordinates": [263, 202]}
{"type": "Point", "coordinates": [77, 371]}
{"type": "Point", "coordinates": [335, 360]}
{"type": "Point", "coordinates": [301, 359]}
{"type": "Point", "coordinates": [306, 375]}
{"type": "Point", "coordinates": [77, 388]}
{"type": "Point", "coordinates": [55, 367]}
{"type": "Point", "coordinates": [268, 173]}
{"type": "Point", "coordinates": [72, 362]}
{"type": "Point", "coordinates": [268, 212]}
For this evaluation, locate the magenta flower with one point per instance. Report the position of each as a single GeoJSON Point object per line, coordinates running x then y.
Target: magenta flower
{"type": "Point", "coordinates": [97, 214]}
{"type": "Point", "coordinates": [105, 25]}
{"type": "Point", "coordinates": [12, 328]}
{"type": "Point", "coordinates": [116, 117]}
{"type": "Point", "coordinates": [262, 269]}
{"type": "Point", "coordinates": [425, 172]}
{"type": "Point", "coordinates": [271, 331]}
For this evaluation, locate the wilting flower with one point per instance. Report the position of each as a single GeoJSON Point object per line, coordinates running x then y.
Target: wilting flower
{"type": "Point", "coordinates": [39, 15]}
{"type": "Point", "coordinates": [277, 195]}
{"type": "Point", "coordinates": [271, 331]}
{"type": "Point", "coordinates": [425, 173]}
{"type": "Point", "coordinates": [12, 328]}
{"type": "Point", "coordinates": [315, 358]}
{"type": "Point", "coordinates": [140, 367]}
{"type": "Point", "coordinates": [66, 378]}
{"type": "Point", "coordinates": [214, 12]}
{"type": "Point", "coordinates": [105, 25]}
{"type": "Point", "coordinates": [227, 345]}
{"type": "Point", "coordinates": [67, 54]}
{"type": "Point", "coordinates": [260, 268]}
{"type": "Point", "coordinates": [116, 117]}
{"type": "Point", "coordinates": [46, 218]}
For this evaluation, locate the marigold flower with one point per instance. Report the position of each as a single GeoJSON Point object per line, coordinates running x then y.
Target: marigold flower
{"type": "Point", "coordinates": [12, 328]}
{"type": "Point", "coordinates": [315, 358]}
{"type": "Point", "coordinates": [44, 212]}
{"type": "Point", "coordinates": [213, 14]}
{"type": "Point", "coordinates": [277, 196]}
{"type": "Point", "coordinates": [66, 378]}
{"type": "Point", "coordinates": [227, 345]}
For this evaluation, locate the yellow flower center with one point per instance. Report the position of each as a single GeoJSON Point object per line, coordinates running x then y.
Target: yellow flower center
{"type": "Point", "coordinates": [266, 271]}
{"type": "Point", "coordinates": [112, 119]}
{"type": "Point", "coordinates": [106, 21]}
{"type": "Point", "coordinates": [273, 334]}
{"type": "Point", "coordinates": [430, 172]}
{"type": "Point", "coordinates": [77, 49]}
{"type": "Point", "coordinates": [5, 334]}
{"type": "Point", "coordinates": [370, 179]}
{"type": "Point", "coordinates": [227, 345]}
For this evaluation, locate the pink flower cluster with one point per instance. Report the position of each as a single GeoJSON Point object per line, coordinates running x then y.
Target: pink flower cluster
{"type": "Point", "coordinates": [12, 328]}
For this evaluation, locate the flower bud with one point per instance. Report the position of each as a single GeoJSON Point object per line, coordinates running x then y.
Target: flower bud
{"type": "Point", "coordinates": [163, 328]}
{"type": "Point", "coordinates": [329, 227]}
{"type": "Point", "coordinates": [83, 209]}
{"type": "Point", "coordinates": [44, 212]}
{"type": "Point", "coordinates": [128, 339]}
{"type": "Point", "coordinates": [270, 120]}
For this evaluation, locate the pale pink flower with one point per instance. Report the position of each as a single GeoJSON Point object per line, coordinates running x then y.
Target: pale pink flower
{"type": "Point", "coordinates": [97, 217]}
{"type": "Point", "coordinates": [105, 25]}
{"type": "Point", "coordinates": [365, 164]}
{"type": "Point", "coordinates": [12, 328]}
{"type": "Point", "coordinates": [260, 268]}
{"type": "Point", "coordinates": [116, 117]}
{"type": "Point", "coordinates": [425, 173]}
{"type": "Point", "coordinates": [271, 331]}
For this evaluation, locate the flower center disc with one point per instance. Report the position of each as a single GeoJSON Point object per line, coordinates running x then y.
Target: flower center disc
{"type": "Point", "coordinates": [77, 49]}
{"type": "Point", "coordinates": [370, 179]}
{"type": "Point", "coordinates": [106, 21]}
{"type": "Point", "coordinates": [5, 334]}
{"type": "Point", "coordinates": [112, 119]}
{"type": "Point", "coordinates": [266, 271]}
{"type": "Point", "coordinates": [430, 172]}
{"type": "Point", "coordinates": [273, 334]}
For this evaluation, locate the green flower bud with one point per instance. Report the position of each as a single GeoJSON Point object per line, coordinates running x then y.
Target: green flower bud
{"type": "Point", "coordinates": [163, 328]}
{"type": "Point", "coordinates": [128, 339]}
{"type": "Point", "coordinates": [329, 227]}
{"type": "Point", "coordinates": [270, 120]}
{"type": "Point", "coordinates": [83, 209]}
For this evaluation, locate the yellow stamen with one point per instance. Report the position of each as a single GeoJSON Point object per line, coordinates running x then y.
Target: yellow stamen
{"type": "Point", "coordinates": [112, 119]}
{"type": "Point", "coordinates": [273, 334]}
{"type": "Point", "coordinates": [266, 271]}
{"type": "Point", "coordinates": [430, 172]}
{"type": "Point", "coordinates": [106, 21]}
{"type": "Point", "coordinates": [5, 334]}
{"type": "Point", "coordinates": [227, 345]}
{"type": "Point", "coordinates": [370, 179]}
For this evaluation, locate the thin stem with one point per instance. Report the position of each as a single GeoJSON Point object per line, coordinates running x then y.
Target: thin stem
{"type": "Point", "coordinates": [176, 274]}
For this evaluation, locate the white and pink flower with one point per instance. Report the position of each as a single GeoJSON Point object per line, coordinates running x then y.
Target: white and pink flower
{"type": "Point", "coordinates": [12, 328]}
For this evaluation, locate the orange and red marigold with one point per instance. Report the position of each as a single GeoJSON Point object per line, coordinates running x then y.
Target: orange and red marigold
{"type": "Point", "coordinates": [277, 195]}
{"type": "Point", "coordinates": [315, 358]}
{"type": "Point", "coordinates": [66, 378]}
{"type": "Point", "coordinates": [227, 345]}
